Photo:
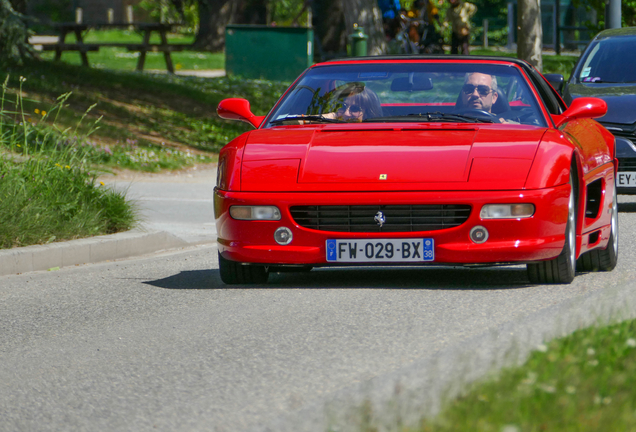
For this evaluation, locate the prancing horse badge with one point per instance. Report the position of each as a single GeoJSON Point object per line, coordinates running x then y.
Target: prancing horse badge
{"type": "Point", "coordinates": [383, 176]}
{"type": "Point", "coordinates": [379, 218]}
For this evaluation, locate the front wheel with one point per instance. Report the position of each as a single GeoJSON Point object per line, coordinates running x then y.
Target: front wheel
{"type": "Point", "coordinates": [559, 270]}
{"type": "Point", "coordinates": [236, 273]}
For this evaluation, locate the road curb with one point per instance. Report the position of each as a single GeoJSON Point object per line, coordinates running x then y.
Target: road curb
{"type": "Point", "coordinates": [86, 251]}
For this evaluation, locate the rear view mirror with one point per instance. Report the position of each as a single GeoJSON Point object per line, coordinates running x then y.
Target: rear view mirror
{"type": "Point", "coordinates": [556, 81]}
{"type": "Point", "coordinates": [413, 82]}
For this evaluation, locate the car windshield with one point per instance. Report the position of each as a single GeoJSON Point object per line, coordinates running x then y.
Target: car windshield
{"type": "Point", "coordinates": [609, 61]}
{"type": "Point", "coordinates": [387, 92]}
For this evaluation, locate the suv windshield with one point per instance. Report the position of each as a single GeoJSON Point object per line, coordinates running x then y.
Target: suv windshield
{"type": "Point", "coordinates": [409, 91]}
{"type": "Point", "coordinates": [609, 61]}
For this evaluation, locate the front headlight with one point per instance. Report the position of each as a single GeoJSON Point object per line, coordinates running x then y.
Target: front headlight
{"type": "Point", "coordinates": [255, 212]}
{"type": "Point", "coordinates": [506, 211]}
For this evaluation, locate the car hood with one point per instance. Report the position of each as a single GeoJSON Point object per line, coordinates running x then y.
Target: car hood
{"type": "Point", "coordinates": [621, 99]}
{"type": "Point", "coordinates": [396, 157]}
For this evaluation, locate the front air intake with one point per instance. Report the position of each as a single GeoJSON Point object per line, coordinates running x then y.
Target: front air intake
{"type": "Point", "coordinates": [383, 218]}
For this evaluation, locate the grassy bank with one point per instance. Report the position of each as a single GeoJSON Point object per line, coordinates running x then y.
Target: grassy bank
{"type": "Point", "coordinates": [47, 199]}
{"type": "Point", "coordinates": [47, 189]}
{"type": "Point", "coordinates": [583, 382]}
{"type": "Point", "coordinates": [148, 122]}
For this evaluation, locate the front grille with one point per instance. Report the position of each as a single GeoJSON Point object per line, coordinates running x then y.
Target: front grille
{"type": "Point", "coordinates": [398, 218]}
{"type": "Point", "coordinates": [627, 164]}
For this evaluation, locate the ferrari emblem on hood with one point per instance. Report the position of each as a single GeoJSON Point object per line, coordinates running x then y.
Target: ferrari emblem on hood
{"type": "Point", "coordinates": [383, 176]}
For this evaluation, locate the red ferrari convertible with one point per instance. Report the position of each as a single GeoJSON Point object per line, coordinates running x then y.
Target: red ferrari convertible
{"type": "Point", "coordinates": [418, 161]}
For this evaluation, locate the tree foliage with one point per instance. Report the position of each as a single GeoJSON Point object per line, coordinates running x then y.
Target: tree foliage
{"type": "Point", "coordinates": [628, 13]}
{"type": "Point", "coordinates": [14, 47]}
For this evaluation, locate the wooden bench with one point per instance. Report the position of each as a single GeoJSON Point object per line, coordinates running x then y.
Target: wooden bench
{"type": "Point", "coordinates": [83, 48]}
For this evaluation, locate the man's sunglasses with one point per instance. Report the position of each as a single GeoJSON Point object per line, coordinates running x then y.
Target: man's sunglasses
{"type": "Point", "coordinates": [353, 109]}
{"type": "Point", "coordinates": [483, 90]}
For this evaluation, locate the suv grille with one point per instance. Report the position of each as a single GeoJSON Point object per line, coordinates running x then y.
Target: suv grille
{"type": "Point", "coordinates": [398, 218]}
{"type": "Point", "coordinates": [627, 164]}
{"type": "Point", "coordinates": [621, 130]}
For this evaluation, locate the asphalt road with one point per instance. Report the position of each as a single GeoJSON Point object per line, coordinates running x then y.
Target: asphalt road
{"type": "Point", "coordinates": [159, 343]}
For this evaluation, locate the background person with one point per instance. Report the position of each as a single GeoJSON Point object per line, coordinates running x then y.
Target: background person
{"type": "Point", "coordinates": [390, 10]}
{"type": "Point", "coordinates": [459, 15]}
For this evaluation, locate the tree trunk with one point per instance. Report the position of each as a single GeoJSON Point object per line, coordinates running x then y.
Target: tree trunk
{"type": "Point", "coordinates": [214, 15]}
{"type": "Point", "coordinates": [530, 32]}
{"type": "Point", "coordinates": [329, 28]}
{"type": "Point", "coordinates": [366, 13]}
{"type": "Point", "coordinates": [252, 12]}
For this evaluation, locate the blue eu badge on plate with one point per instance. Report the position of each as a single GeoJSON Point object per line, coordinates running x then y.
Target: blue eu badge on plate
{"type": "Point", "coordinates": [331, 250]}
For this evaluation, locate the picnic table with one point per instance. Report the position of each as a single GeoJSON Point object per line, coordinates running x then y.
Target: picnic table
{"type": "Point", "coordinates": [64, 29]}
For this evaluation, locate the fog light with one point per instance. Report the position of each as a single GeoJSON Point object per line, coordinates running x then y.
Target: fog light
{"type": "Point", "coordinates": [506, 211]}
{"type": "Point", "coordinates": [255, 212]}
{"type": "Point", "coordinates": [283, 236]}
{"type": "Point", "coordinates": [479, 234]}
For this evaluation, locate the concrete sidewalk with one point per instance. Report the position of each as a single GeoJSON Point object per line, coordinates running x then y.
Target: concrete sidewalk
{"type": "Point", "coordinates": [176, 211]}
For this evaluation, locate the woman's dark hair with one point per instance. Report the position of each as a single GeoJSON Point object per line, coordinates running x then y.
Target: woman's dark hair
{"type": "Point", "coordinates": [364, 97]}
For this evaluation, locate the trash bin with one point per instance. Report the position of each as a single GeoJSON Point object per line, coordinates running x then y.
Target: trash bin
{"type": "Point", "coordinates": [358, 41]}
{"type": "Point", "coordinates": [267, 52]}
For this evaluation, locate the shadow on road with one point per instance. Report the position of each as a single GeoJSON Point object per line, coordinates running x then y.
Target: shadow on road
{"type": "Point", "coordinates": [450, 278]}
{"type": "Point", "coordinates": [627, 207]}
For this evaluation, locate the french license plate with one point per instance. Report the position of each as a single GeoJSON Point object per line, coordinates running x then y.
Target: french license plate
{"type": "Point", "coordinates": [381, 250]}
{"type": "Point", "coordinates": [626, 179]}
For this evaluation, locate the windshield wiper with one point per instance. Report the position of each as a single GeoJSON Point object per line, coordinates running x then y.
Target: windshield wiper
{"type": "Point", "coordinates": [432, 116]}
{"type": "Point", "coordinates": [312, 117]}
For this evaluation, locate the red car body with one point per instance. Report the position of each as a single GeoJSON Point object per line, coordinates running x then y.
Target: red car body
{"type": "Point", "coordinates": [405, 167]}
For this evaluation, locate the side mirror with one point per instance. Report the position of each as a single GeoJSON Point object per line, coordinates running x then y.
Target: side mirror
{"type": "Point", "coordinates": [556, 81]}
{"type": "Point", "coordinates": [238, 109]}
{"type": "Point", "coordinates": [584, 107]}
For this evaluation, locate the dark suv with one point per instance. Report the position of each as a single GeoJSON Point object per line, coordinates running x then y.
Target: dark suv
{"type": "Point", "coordinates": [607, 70]}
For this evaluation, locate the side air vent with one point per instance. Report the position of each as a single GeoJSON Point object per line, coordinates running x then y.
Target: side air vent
{"type": "Point", "coordinates": [594, 195]}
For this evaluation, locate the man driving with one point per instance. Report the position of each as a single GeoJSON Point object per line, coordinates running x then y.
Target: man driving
{"type": "Point", "coordinates": [479, 91]}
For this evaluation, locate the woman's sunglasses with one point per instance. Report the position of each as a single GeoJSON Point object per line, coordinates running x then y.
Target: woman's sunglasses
{"type": "Point", "coordinates": [483, 90]}
{"type": "Point", "coordinates": [353, 109]}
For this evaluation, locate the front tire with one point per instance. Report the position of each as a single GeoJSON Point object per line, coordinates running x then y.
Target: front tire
{"type": "Point", "coordinates": [236, 273]}
{"type": "Point", "coordinates": [559, 270]}
{"type": "Point", "coordinates": [603, 259]}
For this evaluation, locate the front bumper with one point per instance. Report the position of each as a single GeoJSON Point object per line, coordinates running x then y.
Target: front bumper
{"type": "Point", "coordinates": [536, 238]}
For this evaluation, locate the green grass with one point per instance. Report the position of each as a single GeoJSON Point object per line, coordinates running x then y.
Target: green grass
{"type": "Point", "coordinates": [583, 382]}
{"type": "Point", "coordinates": [47, 189]}
{"type": "Point", "coordinates": [48, 199]}
{"type": "Point", "coordinates": [122, 59]}
{"type": "Point", "coordinates": [171, 117]}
